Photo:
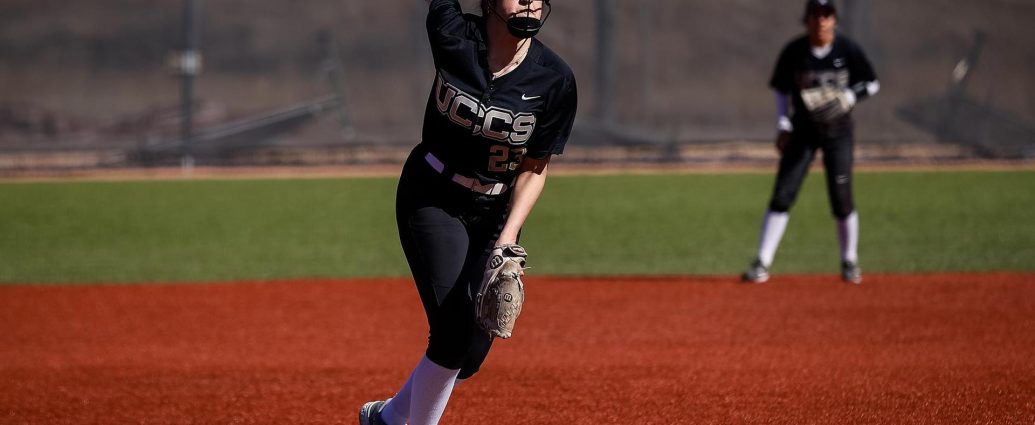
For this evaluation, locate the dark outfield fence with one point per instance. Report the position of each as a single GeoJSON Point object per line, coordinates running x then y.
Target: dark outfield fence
{"type": "Point", "coordinates": [101, 82]}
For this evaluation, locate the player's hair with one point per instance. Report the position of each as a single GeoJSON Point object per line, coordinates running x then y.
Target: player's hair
{"type": "Point", "coordinates": [812, 6]}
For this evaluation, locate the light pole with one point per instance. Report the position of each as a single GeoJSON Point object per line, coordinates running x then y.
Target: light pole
{"type": "Point", "coordinates": [189, 66]}
{"type": "Point", "coordinates": [605, 58]}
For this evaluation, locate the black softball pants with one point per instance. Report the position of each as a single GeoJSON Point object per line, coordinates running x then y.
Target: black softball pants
{"type": "Point", "coordinates": [447, 233]}
{"type": "Point", "coordinates": [795, 162]}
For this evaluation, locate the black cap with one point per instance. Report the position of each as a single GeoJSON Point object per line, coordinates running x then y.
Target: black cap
{"type": "Point", "coordinates": [814, 6]}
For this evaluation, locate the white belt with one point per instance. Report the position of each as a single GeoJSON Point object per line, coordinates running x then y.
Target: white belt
{"type": "Point", "coordinates": [474, 185]}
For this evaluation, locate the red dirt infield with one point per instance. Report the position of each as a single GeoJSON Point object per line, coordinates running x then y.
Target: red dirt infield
{"type": "Point", "coordinates": [899, 349]}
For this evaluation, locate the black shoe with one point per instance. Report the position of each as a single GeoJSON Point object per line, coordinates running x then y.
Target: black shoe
{"type": "Point", "coordinates": [756, 273]}
{"type": "Point", "coordinates": [851, 273]}
{"type": "Point", "coordinates": [370, 413]}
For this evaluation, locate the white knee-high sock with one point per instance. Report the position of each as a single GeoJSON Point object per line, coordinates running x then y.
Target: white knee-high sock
{"type": "Point", "coordinates": [773, 226]}
{"type": "Point", "coordinates": [848, 236]}
{"type": "Point", "coordinates": [397, 411]}
{"type": "Point", "coordinates": [431, 387]}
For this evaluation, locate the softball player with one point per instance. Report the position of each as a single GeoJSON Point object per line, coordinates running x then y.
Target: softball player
{"type": "Point", "coordinates": [501, 104]}
{"type": "Point", "coordinates": [820, 77]}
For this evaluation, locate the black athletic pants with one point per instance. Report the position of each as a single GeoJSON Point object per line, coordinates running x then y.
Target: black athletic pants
{"type": "Point", "coordinates": [447, 232]}
{"type": "Point", "coordinates": [794, 165]}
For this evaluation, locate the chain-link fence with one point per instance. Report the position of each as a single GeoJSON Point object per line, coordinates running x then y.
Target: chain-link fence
{"type": "Point", "coordinates": [96, 83]}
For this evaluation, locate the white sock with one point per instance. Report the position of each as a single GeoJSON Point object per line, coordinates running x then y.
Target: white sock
{"type": "Point", "coordinates": [773, 226]}
{"type": "Point", "coordinates": [397, 411]}
{"type": "Point", "coordinates": [432, 384]}
{"type": "Point", "coordinates": [848, 236]}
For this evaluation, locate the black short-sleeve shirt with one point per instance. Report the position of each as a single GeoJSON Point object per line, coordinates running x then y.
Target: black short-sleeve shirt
{"type": "Point", "coordinates": [797, 69]}
{"type": "Point", "coordinates": [482, 127]}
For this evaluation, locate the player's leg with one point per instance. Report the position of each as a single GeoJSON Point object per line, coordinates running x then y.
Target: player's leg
{"type": "Point", "coordinates": [794, 165]}
{"type": "Point", "coordinates": [436, 245]}
{"type": "Point", "coordinates": [480, 344]}
{"type": "Point", "coordinates": [484, 225]}
{"type": "Point", "coordinates": [465, 346]}
{"type": "Point", "coordinates": [838, 158]}
{"type": "Point", "coordinates": [480, 340]}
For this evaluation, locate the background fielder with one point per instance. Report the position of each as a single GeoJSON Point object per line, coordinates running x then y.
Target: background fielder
{"type": "Point", "coordinates": [818, 79]}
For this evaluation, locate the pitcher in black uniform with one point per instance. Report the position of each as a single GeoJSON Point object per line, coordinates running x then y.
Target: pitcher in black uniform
{"type": "Point", "coordinates": [818, 79]}
{"type": "Point", "coordinates": [501, 104]}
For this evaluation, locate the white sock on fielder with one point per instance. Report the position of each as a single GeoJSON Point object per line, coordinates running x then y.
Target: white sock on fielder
{"type": "Point", "coordinates": [429, 393]}
{"type": "Point", "coordinates": [773, 226]}
{"type": "Point", "coordinates": [848, 236]}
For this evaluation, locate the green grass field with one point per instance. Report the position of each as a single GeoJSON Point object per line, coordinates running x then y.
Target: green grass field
{"type": "Point", "coordinates": [600, 225]}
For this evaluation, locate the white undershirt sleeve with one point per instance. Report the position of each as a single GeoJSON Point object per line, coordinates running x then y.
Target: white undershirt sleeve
{"type": "Point", "coordinates": [872, 88]}
{"type": "Point", "coordinates": [783, 116]}
{"type": "Point", "coordinates": [865, 89]}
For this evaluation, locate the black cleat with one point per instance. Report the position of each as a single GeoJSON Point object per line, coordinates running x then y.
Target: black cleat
{"type": "Point", "coordinates": [370, 413]}
{"type": "Point", "coordinates": [756, 273]}
{"type": "Point", "coordinates": [851, 273]}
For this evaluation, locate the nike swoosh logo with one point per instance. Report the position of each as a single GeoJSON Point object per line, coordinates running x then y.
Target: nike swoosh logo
{"type": "Point", "coordinates": [523, 97]}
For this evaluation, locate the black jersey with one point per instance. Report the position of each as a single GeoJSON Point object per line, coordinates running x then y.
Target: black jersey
{"type": "Point", "coordinates": [798, 69]}
{"type": "Point", "coordinates": [482, 127]}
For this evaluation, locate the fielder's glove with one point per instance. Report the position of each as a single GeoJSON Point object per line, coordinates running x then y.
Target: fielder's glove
{"type": "Point", "coordinates": [501, 293]}
{"type": "Point", "coordinates": [827, 104]}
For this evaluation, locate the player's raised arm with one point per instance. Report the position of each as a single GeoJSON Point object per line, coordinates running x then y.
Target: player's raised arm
{"type": "Point", "coordinates": [445, 19]}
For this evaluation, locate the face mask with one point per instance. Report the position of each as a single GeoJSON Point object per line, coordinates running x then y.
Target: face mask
{"type": "Point", "coordinates": [524, 26]}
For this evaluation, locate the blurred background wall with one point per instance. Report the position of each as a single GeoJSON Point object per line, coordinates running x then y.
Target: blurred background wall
{"type": "Point", "coordinates": [92, 83]}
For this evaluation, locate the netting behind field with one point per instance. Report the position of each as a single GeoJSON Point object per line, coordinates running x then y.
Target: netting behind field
{"type": "Point", "coordinates": [96, 75]}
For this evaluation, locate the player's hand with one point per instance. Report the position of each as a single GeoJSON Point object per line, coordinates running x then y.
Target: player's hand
{"type": "Point", "coordinates": [503, 253]}
{"type": "Point", "coordinates": [783, 138]}
{"type": "Point", "coordinates": [501, 247]}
